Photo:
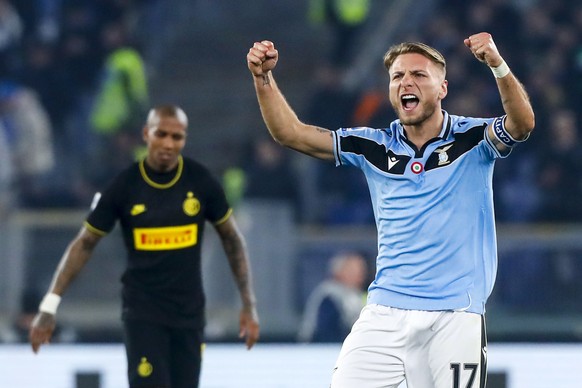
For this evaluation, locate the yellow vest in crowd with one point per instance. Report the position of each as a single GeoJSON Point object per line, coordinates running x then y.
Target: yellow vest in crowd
{"type": "Point", "coordinates": [349, 12]}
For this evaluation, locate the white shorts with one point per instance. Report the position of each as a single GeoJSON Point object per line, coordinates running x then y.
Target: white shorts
{"type": "Point", "coordinates": [427, 349]}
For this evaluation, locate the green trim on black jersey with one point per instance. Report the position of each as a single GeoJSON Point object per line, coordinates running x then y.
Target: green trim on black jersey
{"type": "Point", "coordinates": [161, 185]}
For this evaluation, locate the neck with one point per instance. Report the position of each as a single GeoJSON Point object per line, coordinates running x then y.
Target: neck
{"type": "Point", "coordinates": [428, 129]}
{"type": "Point", "coordinates": [161, 167]}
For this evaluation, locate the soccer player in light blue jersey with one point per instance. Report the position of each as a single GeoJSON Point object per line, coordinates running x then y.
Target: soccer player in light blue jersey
{"type": "Point", "coordinates": [430, 179]}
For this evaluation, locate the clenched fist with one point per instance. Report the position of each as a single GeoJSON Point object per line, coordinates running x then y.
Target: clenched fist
{"type": "Point", "coordinates": [262, 58]}
{"type": "Point", "coordinates": [484, 49]}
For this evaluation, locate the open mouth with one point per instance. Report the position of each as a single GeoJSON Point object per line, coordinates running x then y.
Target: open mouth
{"type": "Point", "coordinates": [409, 101]}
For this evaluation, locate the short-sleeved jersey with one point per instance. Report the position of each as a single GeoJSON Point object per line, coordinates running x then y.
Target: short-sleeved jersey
{"type": "Point", "coordinates": [162, 217]}
{"type": "Point", "coordinates": [433, 208]}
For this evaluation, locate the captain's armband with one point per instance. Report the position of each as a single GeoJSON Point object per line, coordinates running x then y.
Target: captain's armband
{"type": "Point", "coordinates": [501, 133]}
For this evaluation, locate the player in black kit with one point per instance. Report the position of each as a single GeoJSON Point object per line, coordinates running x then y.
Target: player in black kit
{"type": "Point", "coordinates": [162, 203]}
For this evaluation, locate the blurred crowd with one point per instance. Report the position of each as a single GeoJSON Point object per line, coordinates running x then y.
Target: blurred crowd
{"type": "Point", "coordinates": [72, 84]}
{"type": "Point", "coordinates": [74, 88]}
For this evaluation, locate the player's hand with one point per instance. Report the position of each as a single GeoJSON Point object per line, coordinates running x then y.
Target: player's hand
{"type": "Point", "coordinates": [41, 330]}
{"type": "Point", "coordinates": [249, 326]}
{"type": "Point", "coordinates": [484, 49]}
{"type": "Point", "coordinates": [262, 58]}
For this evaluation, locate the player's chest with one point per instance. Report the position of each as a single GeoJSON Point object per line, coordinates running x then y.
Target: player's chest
{"type": "Point", "coordinates": [154, 207]}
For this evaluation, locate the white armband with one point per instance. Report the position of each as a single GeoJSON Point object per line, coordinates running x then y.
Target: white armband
{"type": "Point", "coordinates": [50, 303]}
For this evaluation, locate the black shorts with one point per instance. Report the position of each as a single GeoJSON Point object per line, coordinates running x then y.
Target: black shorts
{"type": "Point", "coordinates": [159, 356]}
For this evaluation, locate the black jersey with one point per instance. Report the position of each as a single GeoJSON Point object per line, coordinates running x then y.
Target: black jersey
{"type": "Point", "coordinates": [162, 217]}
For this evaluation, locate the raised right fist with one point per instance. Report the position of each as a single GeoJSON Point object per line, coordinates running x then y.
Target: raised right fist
{"type": "Point", "coordinates": [262, 58]}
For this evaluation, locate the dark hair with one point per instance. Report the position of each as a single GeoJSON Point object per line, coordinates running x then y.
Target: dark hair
{"type": "Point", "coordinates": [166, 111]}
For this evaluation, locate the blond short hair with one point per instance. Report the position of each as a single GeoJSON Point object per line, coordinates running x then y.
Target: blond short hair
{"type": "Point", "coordinates": [416, 48]}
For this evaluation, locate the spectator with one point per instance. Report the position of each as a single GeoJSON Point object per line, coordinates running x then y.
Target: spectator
{"type": "Point", "coordinates": [561, 171]}
{"type": "Point", "coordinates": [120, 103]}
{"type": "Point", "coordinates": [6, 187]}
{"type": "Point", "coordinates": [331, 106]}
{"type": "Point", "coordinates": [11, 31]}
{"type": "Point", "coordinates": [345, 19]}
{"type": "Point", "coordinates": [335, 304]}
{"type": "Point", "coordinates": [31, 141]}
{"type": "Point", "coordinates": [270, 175]}
{"type": "Point", "coordinates": [42, 72]}
{"type": "Point", "coordinates": [123, 94]}
{"type": "Point", "coordinates": [6, 172]}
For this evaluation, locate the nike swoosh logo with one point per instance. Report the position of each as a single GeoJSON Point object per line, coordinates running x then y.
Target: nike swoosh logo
{"type": "Point", "coordinates": [138, 209]}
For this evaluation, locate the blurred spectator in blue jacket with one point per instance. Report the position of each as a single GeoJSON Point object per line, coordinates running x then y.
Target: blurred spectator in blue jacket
{"type": "Point", "coordinates": [30, 138]}
{"type": "Point", "coordinates": [335, 304]}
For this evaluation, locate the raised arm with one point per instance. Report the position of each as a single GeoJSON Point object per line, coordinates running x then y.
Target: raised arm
{"type": "Point", "coordinates": [520, 119]}
{"type": "Point", "coordinates": [73, 260]}
{"type": "Point", "coordinates": [235, 248]}
{"type": "Point", "coordinates": [281, 120]}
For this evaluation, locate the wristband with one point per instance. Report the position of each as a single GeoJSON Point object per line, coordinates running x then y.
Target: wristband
{"type": "Point", "coordinates": [50, 303]}
{"type": "Point", "coordinates": [501, 70]}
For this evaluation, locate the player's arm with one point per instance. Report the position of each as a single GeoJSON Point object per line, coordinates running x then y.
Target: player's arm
{"type": "Point", "coordinates": [73, 260]}
{"type": "Point", "coordinates": [281, 120]}
{"type": "Point", "coordinates": [520, 119]}
{"type": "Point", "coordinates": [235, 248]}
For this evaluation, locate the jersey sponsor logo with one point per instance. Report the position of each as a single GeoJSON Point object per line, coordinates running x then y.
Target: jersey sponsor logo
{"type": "Point", "coordinates": [416, 167]}
{"type": "Point", "coordinates": [191, 205]}
{"type": "Point", "coordinates": [138, 209]}
{"type": "Point", "coordinates": [165, 238]}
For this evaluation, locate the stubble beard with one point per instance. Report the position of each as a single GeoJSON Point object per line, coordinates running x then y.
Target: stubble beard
{"type": "Point", "coordinates": [424, 115]}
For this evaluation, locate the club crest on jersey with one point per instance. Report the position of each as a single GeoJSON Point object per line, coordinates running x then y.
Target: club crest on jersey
{"type": "Point", "coordinates": [191, 205]}
{"type": "Point", "coordinates": [144, 369]}
{"type": "Point", "coordinates": [443, 156]}
{"type": "Point", "coordinates": [416, 167]}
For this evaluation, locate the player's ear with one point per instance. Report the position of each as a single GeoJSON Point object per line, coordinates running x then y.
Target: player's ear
{"type": "Point", "coordinates": [145, 133]}
{"type": "Point", "coordinates": [444, 89]}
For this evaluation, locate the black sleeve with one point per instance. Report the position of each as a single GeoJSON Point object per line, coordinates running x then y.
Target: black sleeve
{"type": "Point", "coordinates": [105, 212]}
{"type": "Point", "coordinates": [217, 206]}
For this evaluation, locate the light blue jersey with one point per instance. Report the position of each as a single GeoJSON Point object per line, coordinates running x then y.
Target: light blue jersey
{"type": "Point", "coordinates": [433, 207]}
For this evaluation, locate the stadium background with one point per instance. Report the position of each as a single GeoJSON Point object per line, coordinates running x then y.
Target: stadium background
{"type": "Point", "coordinates": [194, 55]}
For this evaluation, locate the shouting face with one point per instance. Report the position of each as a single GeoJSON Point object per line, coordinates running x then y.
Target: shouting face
{"type": "Point", "coordinates": [417, 86]}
